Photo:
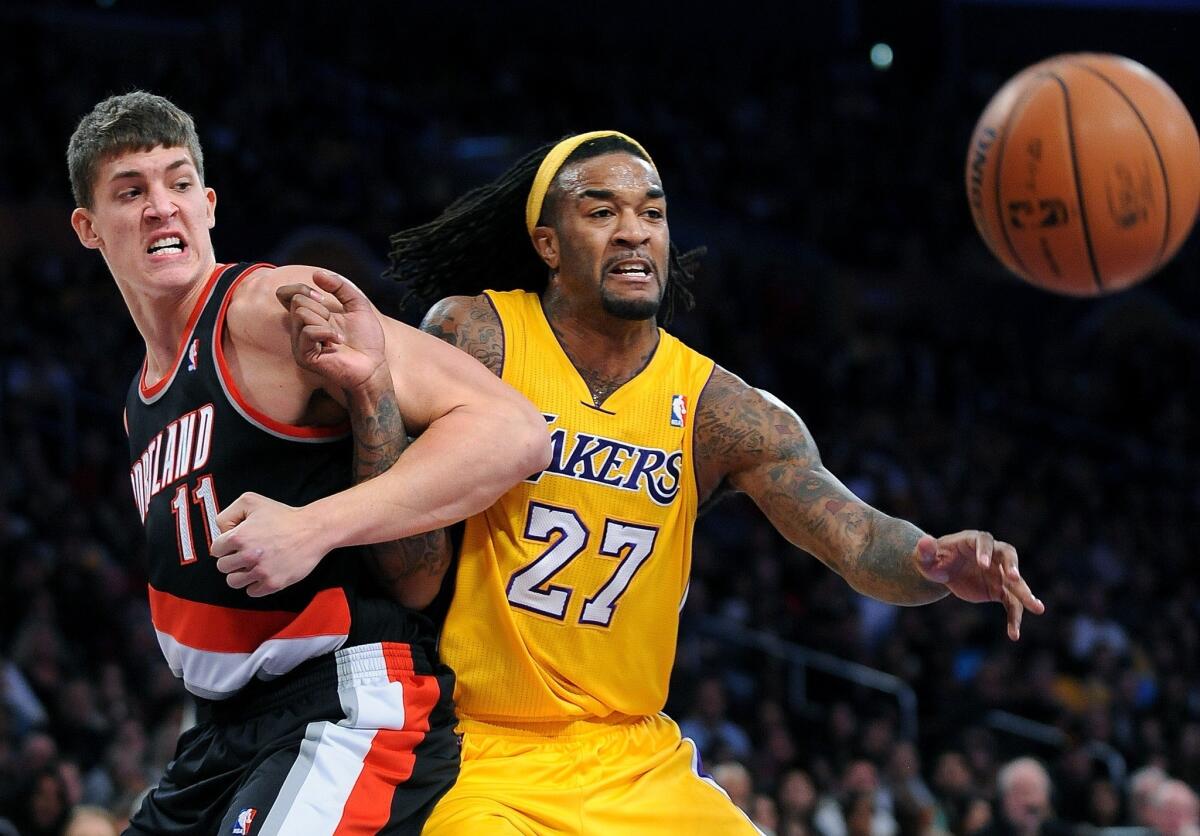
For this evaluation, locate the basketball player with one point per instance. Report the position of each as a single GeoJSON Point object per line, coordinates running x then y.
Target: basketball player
{"type": "Point", "coordinates": [323, 707]}
{"type": "Point", "coordinates": [563, 625]}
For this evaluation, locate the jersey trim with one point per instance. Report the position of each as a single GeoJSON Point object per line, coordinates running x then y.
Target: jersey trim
{"type": "Point", "coordinates": [149, 394]}
{"type": "Point", "coordinates": [279, 429]}
{"type": "Point", "coordinates": [503, 335]}
{"type": "Point", "coordinates": [695, 458]}
{"type": "Point", "coordinates": [217, 629]}
{"type": "Point", "coordinates": [217, 650]}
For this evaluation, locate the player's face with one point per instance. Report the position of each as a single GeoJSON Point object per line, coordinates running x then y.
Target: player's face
{"type": "Point", "coordinates": [150, 219]}
{"type": "Point", "coordinates": [612, 235]}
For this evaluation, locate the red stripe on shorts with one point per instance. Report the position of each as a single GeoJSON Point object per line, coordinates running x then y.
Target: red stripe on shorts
{"type": "Point", "coordinates": [390, 760]}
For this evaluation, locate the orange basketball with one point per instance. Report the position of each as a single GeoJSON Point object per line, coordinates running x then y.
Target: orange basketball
{"type": "Point", "coordinates": [1083, 174]}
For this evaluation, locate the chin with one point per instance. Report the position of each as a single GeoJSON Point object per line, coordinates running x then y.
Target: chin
{"type": "Point", "coordinates": [631, 309]}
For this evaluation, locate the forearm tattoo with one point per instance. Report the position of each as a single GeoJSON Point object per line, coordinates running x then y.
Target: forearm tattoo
{"type": "Point", "coordinates": [886, 569]}
{"type": "Point", "coordinates": [379, 439]}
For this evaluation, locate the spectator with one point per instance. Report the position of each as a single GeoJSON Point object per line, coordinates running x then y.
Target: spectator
{"type": "Point", "coordinates": [735, 780]}
{"type": "Point", "coordinates": [1024, 801]}
{"type": "Point", "coordinates": [797, 802]}
{"type": "Point", "coordinates": [1143, 784]}
{"type": "Point", "coordinates": [1104, 804]}
{"type": "Point", "coordinates": [860, 793]}
{"type": "Point", "coordinates": [765, 814]}
{"type": "Point", "coordinates": [1175, 809]}
{"type": "Point", "coordinates": [87, 820]}
{"type": "Point", "coordinates": [954, 790]}
{"type": "Point", "coordinates": [716, 736]}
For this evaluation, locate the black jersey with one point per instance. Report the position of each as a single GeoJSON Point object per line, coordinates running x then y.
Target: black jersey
{"type": "Point", "coordinates": [196, 444]}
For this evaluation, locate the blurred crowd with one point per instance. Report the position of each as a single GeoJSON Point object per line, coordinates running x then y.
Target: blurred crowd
{"type": "Point", "coordinates": [842, 274]}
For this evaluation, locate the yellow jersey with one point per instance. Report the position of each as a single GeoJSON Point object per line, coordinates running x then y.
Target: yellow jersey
{"type": "Point", "coordinates": [566, 606]}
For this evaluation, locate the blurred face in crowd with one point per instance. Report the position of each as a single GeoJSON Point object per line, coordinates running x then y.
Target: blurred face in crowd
{"type": "Point", "coordinates": [952, 776]}
{"type": "Point", "coordinates": [1026, 799]}
{"type": "Point", "coordinates": [91, 823]}
{"type": "Point", "coordinates": [150, 219]}
{"type": "Point", "coordinates": [860, 812]}
{"type": "Point", "coordinates": [609, 242]}
{"type": "Point", "coordinates": [1176, 808]}
{"type": "Point", "coordinates": [735, 780]}
{"type": "Point", "coordinates": [860, 776]}
{"type": "Point", "coordinates": [796, 793]}
{"type": "Point", "coordinates": [1104, 804]}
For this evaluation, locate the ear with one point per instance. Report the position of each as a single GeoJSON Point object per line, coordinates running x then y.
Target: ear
{"type": "Point", "coordinates": [211, 212]}
{"type": "Point", "coordinates": [81, 222]}
{"type": "Point", "coordinates": [545, 241]}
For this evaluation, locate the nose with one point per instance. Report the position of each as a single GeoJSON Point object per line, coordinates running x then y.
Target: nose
{"type": "Point", "coordinates": [160, 204]}
{"type": "Point", "coordinates": [632, 231]}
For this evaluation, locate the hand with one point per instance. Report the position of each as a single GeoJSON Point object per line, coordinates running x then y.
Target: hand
{"type": "Point", "coordinates": [976, 567]}
{"type": "Point", "coordinates": [264, 545]}
{"type": "Point", "coordinates": [345, 346]}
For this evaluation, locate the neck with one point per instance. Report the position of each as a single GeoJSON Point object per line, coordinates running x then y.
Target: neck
{"type": "Point", "coordinates": [606, 350]}
{"type": "Point", "coordinates": [161, 319]}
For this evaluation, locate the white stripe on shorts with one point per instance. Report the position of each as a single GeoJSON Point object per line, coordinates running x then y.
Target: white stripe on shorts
{"type": "Point", "coordinates": [315, 791]}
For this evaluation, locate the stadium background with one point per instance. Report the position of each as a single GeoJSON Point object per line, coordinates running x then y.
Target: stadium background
{"type": "Point", "coordinates": [843, 274]}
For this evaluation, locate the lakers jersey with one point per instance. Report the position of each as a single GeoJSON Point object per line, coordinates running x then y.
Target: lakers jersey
{"type": "Point", "coordinates": [569, 587]}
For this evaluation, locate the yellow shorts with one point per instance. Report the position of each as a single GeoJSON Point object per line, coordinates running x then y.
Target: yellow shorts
{"type": "Point", "coordinates": [638, 777]}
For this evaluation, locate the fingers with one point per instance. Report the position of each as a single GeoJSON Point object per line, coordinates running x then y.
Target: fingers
{"type": "Point", "coordinates": [342, 289]}
{"type": "Point", "coordinates": [1015, 611]}
{"type": "Point", "coordinates": [927, 560]}
{"type": "Point", "coordinates": [243, 571]}
{"type": "Point", "coordinates": [984, 545]}
{"type": "Point", "coordinates": [1016, 596]}
{"type": "Point", "coordinates": [227, 521]}
{"type": "Point", "coordinates": [1013, 582]}
{"type": "Point", "coordinates": [285, 293]}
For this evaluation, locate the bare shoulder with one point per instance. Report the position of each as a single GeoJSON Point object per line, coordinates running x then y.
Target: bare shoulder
{"type": "Point", "coordinates": [254, 316]}
{"type": "Point", "coordinates": [472, 324]}
{"type": "Point", "coordinates": [739, 428]}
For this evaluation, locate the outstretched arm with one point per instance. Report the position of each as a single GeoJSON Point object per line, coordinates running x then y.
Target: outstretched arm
{"type": "Point", "coordinates": [763, 448]}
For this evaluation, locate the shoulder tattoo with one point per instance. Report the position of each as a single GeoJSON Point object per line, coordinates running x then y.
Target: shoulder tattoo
{"type": "Point", "coordinates": [469, 323]}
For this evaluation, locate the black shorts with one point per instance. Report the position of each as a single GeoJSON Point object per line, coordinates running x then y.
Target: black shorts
{"type": "Point", "coordinates": [359, 741]}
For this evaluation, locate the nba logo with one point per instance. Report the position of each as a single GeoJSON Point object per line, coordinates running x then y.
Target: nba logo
{"type": "Point", "coordinates": [245, 818]}
{"type": "Point", "coordinates": [678, 410]}
{"type": "Point", "coordinates": [193, 353]}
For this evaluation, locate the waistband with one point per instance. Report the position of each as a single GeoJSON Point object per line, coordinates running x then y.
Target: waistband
{"type": "Point", "coordinates": [323, 676]}
{"type": "Point", "coordinates": [553, 729]}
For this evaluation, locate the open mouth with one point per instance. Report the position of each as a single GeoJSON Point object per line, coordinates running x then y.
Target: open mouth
{"type": "Point", "coordinates": [168, 245]}
{"type": "Point", "coordinates": [634, 269]}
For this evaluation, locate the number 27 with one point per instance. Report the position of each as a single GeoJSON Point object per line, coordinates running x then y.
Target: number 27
{"type": "Point", "coordinates": [529, 587]}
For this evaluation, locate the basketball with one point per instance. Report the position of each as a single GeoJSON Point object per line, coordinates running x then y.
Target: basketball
{"type": "Point", "coordinates": [1083, 174]}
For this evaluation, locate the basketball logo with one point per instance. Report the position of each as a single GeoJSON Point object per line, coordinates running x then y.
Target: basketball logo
{"type": "Point", "coordinates": [678, 410]}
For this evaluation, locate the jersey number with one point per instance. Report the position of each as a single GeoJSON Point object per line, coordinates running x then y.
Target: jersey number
{"type": "Point", "coordinates": [204, 495]}
{"type": "Point", "coordinates": [529, 587]}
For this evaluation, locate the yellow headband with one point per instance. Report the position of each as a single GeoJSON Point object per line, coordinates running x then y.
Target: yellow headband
{"type": "Point", "coordinates": [553, 162]}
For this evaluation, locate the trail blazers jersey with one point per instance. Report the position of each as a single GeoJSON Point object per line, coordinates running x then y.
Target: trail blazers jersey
{"type": "Point", "coordinates": [569, 588]}
{"type": "Point", "coordinates": [196, 445]}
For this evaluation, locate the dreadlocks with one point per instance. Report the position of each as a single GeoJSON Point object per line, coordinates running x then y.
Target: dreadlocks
{"type": "Point", "coordinates": [480, 242]}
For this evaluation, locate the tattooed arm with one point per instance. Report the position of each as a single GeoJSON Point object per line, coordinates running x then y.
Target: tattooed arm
{"type": "Point", "coordinates": [411, 570]}
{"type": "Point", "coordinates": [472, 324]}
{"type": "Point", "coordinates": [331, 344]}
{"type": "Point", "coordinates": [762, 448]}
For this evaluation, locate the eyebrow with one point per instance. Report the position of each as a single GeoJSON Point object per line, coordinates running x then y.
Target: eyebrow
{"type": "Point", "coordinates": [133, 172]}
{"type": "Point", "coordinates": [608, 194]}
